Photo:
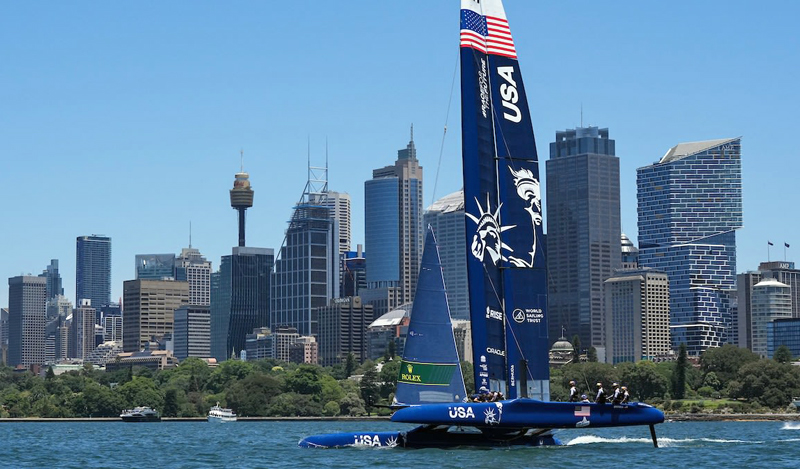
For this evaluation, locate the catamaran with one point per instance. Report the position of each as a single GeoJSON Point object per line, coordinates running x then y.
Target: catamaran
{"type": "Point", "coordinates": [507, 281]}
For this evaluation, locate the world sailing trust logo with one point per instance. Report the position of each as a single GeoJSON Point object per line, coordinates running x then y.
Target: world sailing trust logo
{"type": "Point", "coordinates": [486, 243]}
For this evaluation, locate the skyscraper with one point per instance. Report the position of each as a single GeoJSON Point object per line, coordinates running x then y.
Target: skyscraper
{"type": "Point", "coordinates": [338, 204]}
{"type": "Point", "coordinates": [446, 217]}
{"type": "Point", "coordinates": [583, 231]}
{"type": "Point", "coordinates": [192, 267]}
{"type": "Point", "coordinates": [689, 206]}
{"type": "Point", "coordinates": [241, 288]}
{"type": "Point", "coordinates": [306, 273]}
{"type": "Point", "coordinates": [342, 330]}
{"type": "Point", "coordinates": [27, 297]}
{"type": "Point", "coordinates": [155, 266]}
{"type": "Point", "coordinates": [782, 271]}
{"type": "Point", "coordinates": [354, 273]}
{"type": "Point", "coordinates": [54, 284]}
{"type": "Point", "coordinates": [240, 298]}
{"type": "Point", "coordinates": [93, 269]}
{"type": "Point", "coordinates": [393, 225]}
{"type": "Point", "coordinates": [149, 311]}
{"type": "Point", "coordinates": [771, 300]}
{"type": "Point", "coordinates": [82, 329]}
{"type": "Point", "coordinates": [637, 315]}
{"type": "Point", "coordinates": [192, 332]}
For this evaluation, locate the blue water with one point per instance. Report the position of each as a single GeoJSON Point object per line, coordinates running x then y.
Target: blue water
{"type": "Point", "coordinates": [274, 444]}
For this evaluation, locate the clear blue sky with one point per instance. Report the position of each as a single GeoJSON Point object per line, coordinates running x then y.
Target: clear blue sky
{"type": "Point", "coordinates": [126, 118]}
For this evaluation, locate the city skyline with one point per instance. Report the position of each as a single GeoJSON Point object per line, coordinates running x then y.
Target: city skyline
{"type": "Point", "coordinates": [133, 128]}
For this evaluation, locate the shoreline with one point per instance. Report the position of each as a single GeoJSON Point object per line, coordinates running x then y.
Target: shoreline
{"type": "Point", "coordinates": [683, 417]}
{"type": "Point", "coordinates": [192, 419]}
{"type": "Point", "coordinates": [731, 417]}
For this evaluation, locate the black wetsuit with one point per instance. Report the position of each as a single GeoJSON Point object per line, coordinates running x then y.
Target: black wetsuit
{"type": "Point", "coordinates": [601, 396]}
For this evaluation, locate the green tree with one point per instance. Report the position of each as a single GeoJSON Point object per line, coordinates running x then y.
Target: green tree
{"type": "Point", "coordinates": [226, 373]}
{"type": "Point", "coordinates": [576, 348]}
{"type": "Point", "coordinates": [99, 401]}
{"type": "Point", "coordinates": [252, 396]}
{"type": "Point", "coordinates": [369, 388]}
{"type": "Point", "coordinates": [141, 391]}
{"type": "Point", "coordinates": [679, 376]}
{"type": "Point", "coordinates": [305, 380]}
{"type": "Point", "coordinates": [291, 404]}
{"type": "Point", "coordinates": [170, 403]}
{"type": "Point", "coordinates": [783, 354]}
{"type": "Point", "coordinates": [352, 405]}
{"type": "Point", "coordinates": [769, 382]}
{"type": "Point", "coordinates": [392, 348]}
{"type": "Point", "coordinates": [388, 378]}
{"type": "Point", "coordinates": [330, 389]}
{"type": "Point", "coordinates": [725, 361]}
{"type": "Point", "coordinates": [711, 381]}
{"type": "Point", "coordinates": [331, 409]}
{"type": "Point", "coordinates": [591, 355]}
{"type": "Point", "coordinates": [587, 375]}
{"type": "Point", "coordinates": [469, 376]}
{"type": "Point", "coordinates": [350, 365]}
{"type": "Point", "coordinates": [644, 382]}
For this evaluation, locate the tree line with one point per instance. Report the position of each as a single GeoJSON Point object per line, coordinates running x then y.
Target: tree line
{"type": "Point", "coordinates": [725, 379]}
{"type": "Point", "coordinates": [263, 388]}
{"type": "Point", "coordinates": [735, 378]}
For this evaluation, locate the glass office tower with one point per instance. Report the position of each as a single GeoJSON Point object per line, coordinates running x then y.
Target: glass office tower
{"type": "Point", "coordinates": [689, 208]}
{"type": "Point", "coordinates": [93, 270]}
{"type": "Point", "coordinates": [393, 225]}
{"type": "Point", "coordinates": [240, 297]}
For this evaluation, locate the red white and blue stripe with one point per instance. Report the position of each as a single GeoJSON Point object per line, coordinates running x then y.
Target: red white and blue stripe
{"type": "Point", "coordinates": [488, 34]}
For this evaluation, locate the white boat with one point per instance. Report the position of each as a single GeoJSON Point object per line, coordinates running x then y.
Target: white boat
{"type": "Point", "coordinates": [140, 414]}
{"type": "Point", "coordinates": [221, 414]}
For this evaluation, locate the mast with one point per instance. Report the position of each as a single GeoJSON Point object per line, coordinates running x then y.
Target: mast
{"type": "Point", "coordinates": [502, 199]}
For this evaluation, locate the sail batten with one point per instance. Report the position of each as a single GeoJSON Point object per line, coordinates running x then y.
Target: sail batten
{"type": "Point", "coordinates": [506, 270]}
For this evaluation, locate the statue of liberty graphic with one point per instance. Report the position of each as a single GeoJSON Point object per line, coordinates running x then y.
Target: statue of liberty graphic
{"type": "Point", "coordinates": [528, 190]}
{"type": "Point", "coordinates": [487, 244]}
{"type": "Point", "coordinates": [486, 240]}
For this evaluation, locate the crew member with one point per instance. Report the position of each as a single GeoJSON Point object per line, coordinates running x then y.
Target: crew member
{"type": "Point", "coordinates": [617, 396]}
{"type": "Point", "coordinates": [625, 395]}
{"type": "Point", "coordinates": [601, 394]}
{"type": "Point", "coordinates": [584, 399]}
{"type": "Point", "coordinates": [573, 392]}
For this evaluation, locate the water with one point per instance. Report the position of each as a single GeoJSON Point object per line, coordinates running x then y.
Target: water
{"type": "Point", "coordinates": [274, 444]}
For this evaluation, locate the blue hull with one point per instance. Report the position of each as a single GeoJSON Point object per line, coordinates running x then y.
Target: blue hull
{"type": "Point", "coordinates": [431, 436]}
{"type": "Point", "coordinates": [505, 423]}
{"type": "Point", "coordinates": [530, 413]}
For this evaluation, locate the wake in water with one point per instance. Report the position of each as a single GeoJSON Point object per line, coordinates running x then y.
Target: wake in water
{"type": "Point", "coordinates": [663, 442]}
{"type": "Point", "coordinates": [791, 426]}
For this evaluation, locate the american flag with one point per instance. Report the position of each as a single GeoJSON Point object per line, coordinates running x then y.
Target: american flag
{"type": "Point", "coordinates": [583, 411]}
{"type": "Point", "coordinates": [486, 34]}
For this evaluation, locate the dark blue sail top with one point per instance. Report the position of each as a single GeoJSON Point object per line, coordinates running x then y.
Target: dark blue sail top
{"type": "Point", "coordinates": [430, 371]}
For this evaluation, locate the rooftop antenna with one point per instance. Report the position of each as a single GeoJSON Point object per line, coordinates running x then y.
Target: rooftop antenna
{"type": "Point", "coordinates": [241, 160]}
{"type": "Point", "coordinates": [581, 115]}
{"type": "Point", "coordinates": [190, 234]}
